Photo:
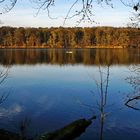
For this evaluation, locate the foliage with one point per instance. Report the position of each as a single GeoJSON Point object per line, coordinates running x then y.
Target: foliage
{"type": "Point", "coordinates": [69, 37]}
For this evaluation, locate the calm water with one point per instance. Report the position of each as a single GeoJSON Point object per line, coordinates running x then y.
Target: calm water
{"type": "Point", "coordinates": [52, 88]}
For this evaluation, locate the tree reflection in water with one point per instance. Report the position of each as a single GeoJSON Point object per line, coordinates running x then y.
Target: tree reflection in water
{"type": "Point", "coordinates": [134, 81]}
{"type": "Point", "coordinates": [103, 101]}
{"type": "Point", "coordinates": [102, 85]}
{"type": "Point", "coordinates": [102, 59]}
{"type": "Point", "coordinates": [60, 57]}
{"type": "Point", "coordinates": [3, 77]}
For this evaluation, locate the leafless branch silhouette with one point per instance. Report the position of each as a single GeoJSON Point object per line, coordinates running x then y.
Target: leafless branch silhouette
{"type": "Point", "coordinates": [84, 11]}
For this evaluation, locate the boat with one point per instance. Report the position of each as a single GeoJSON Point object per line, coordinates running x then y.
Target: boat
{"type": "Point", "coordinates": [69, 52]}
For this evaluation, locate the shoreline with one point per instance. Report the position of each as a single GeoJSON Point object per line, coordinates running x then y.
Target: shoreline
{"type": "Point", "coordinates": [96, 47]}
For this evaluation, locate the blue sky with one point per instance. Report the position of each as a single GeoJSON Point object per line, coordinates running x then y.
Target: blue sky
{"type": "Point", "coordinates": [24, 14]}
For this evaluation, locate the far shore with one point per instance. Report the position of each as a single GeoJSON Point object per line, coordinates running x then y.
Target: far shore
{"type": "Point", "coordinates": [76, 47]}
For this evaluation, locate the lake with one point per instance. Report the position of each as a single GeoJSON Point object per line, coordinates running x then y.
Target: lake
{"type": "Point", "coordinates": [50, 88]}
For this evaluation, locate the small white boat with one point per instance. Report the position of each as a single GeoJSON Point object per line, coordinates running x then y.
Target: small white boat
{"type": "Point", "coordinates": [69, 52]}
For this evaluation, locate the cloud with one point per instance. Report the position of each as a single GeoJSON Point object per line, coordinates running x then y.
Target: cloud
{"type": "Point", "coordinates": [13, 110]}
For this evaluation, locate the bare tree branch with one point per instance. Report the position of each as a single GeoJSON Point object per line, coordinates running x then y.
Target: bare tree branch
{"type": "Point", "coordinates": [84, 11]}
{"type": "Point", "coordinates": [8, 6]}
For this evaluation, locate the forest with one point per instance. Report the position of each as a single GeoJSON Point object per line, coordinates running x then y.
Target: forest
{"type": "Point", "coordinates": [95, 37]}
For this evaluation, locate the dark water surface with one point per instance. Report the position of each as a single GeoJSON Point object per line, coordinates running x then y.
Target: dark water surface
{"type": "Point", "coordinates": [51, 88]}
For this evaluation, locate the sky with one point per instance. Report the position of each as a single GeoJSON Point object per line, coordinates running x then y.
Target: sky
{"type": "Point", "coordinates": [24, 15]}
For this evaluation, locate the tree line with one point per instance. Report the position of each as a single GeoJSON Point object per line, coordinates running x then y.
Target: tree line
{"type": "Point", "coordinates": [96, 37]}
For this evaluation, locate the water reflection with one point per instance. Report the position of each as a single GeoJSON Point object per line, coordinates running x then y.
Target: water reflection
{"type": "Point", "coordinates": [78, 56]}
{"type": "Point", "coordinates": [104, 84]}
{"type": "Point", "coordinates": [3, 76]}
{"type": "Point", "coordinates": [43, 98]}
{"type": "Point", "coordinates": [134, 80]}
{"type": "Point", "coordinates": [100, 102]}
